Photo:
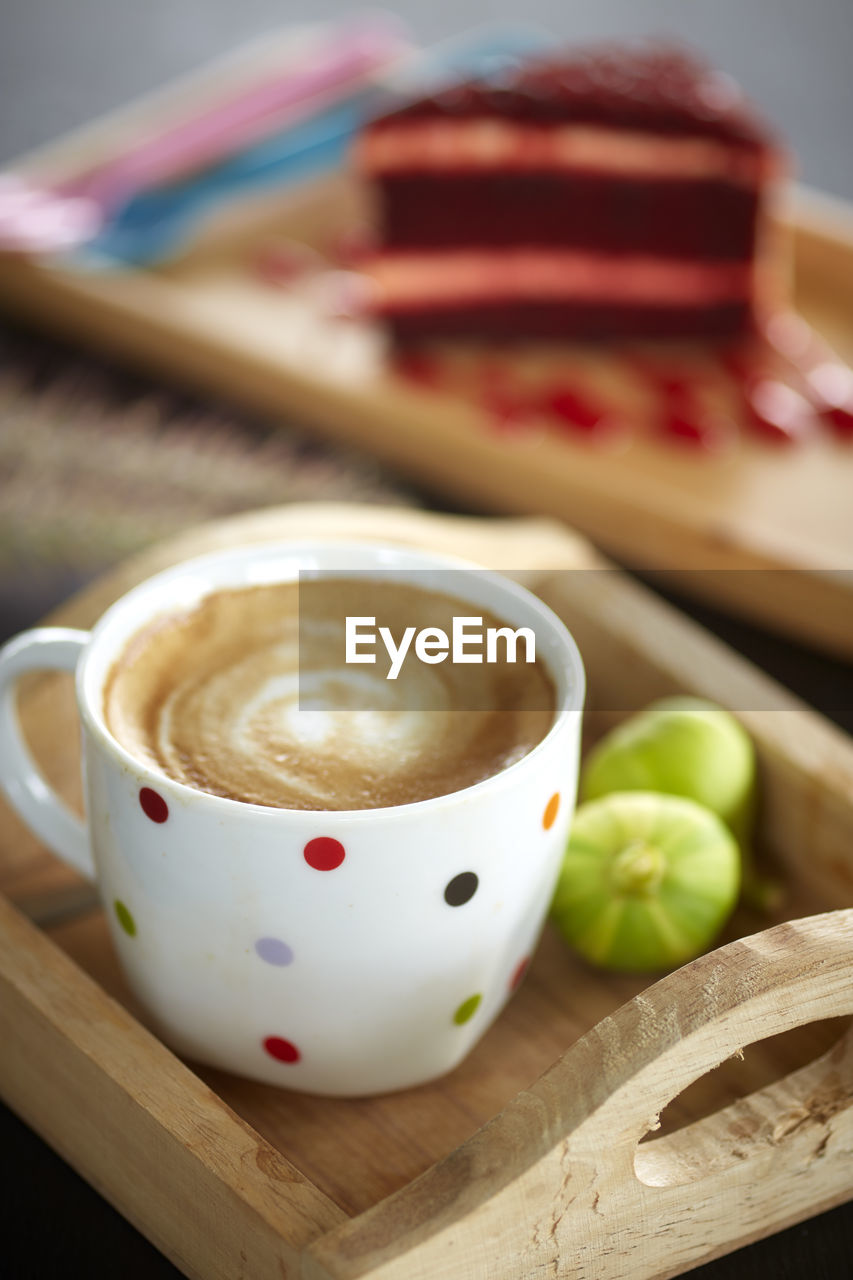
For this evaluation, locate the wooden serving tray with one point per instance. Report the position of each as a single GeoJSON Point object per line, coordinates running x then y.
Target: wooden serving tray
{"type": "Point", "coordinates": [529, 1156]}
{"type": "Point", "coordinates": [210, 320]}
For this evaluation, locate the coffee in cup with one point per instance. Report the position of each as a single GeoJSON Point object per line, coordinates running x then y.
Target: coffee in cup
{"type": "Point", "coordinates": [247, 694]}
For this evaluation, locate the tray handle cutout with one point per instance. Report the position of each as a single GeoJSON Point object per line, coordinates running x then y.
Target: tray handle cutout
{"type": "Point", "coordinates": [693, 1020]}
{"type": "Point", "coordinates": [806, 1101]}
{"type": "Point", "coordinates": [800, 973]}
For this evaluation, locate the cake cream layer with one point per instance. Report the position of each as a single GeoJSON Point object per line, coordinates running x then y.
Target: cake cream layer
{"type": "Point", "coordinates": [468, 276]}
{"type": "Point", "coordinates": [487, 144]}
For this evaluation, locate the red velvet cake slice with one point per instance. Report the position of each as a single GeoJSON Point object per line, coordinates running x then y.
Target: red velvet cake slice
{"type": "Point", "coordinates": [610, 194]}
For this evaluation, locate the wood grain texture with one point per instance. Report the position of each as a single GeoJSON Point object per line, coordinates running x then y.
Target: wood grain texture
{"type": "Point", "coordinates": [521, 1161]}
{"type": "Point", "coordinates": [551, 1185]}
{"type": "Point", "coordinates": [360, 1151]}
{"type": "Point", "coordinates": [160, 1145]}
{"type": "Point", "coordinates": [208, 320]}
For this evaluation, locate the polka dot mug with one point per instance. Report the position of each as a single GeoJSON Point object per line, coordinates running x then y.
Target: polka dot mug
{"type": "Point", "coordinates": [340, 952]}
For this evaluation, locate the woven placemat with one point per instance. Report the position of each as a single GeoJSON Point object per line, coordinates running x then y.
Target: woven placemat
{"type": "Point", "coordinates": [96, 464]}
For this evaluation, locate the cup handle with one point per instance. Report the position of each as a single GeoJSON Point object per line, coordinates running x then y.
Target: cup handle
{"type": "Point", "coordinates": [45, 648]}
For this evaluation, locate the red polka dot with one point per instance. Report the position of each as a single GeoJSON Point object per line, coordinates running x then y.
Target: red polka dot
{"type": "Point", "coordinates": [520, 970]}
{"type": "Point", "coordinates": [281, 1050]}
{"type": "Point", "coordinates": [324, 853]}
{"type": "Point", "coordinates": [153, 805]}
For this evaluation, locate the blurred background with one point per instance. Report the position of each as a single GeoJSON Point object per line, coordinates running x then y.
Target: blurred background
{"type": "Point", "coordinates": [64, 61]}
{"type": "Point", "coordinates": [82, 484]}
{"type": "Point", "coordinates": [95, 461]}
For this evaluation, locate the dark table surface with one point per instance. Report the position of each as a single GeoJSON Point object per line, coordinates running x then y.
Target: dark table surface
{"type": "Point", "coordinates": [63, 62]}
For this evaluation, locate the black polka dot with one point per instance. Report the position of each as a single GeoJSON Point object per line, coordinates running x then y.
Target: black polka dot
{"type": "Point", "coordinates": [461, 889]}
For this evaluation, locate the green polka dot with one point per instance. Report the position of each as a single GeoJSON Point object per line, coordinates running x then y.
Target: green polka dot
{"type": "Point", "coordinates": [467, 1009]}
{"type": "Point", "coordinates": [125, 919]}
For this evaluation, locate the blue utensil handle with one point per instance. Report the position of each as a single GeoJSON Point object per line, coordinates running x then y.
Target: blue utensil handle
{"type": "Point", "coordinates": [156, 225]}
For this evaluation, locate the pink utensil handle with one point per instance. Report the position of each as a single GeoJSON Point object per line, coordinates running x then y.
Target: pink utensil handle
{"type": "Point", "coordinates": [344, 55]}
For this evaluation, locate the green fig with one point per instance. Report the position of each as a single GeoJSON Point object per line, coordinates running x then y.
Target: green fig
{"type": "Point", "coordinates": [647, 882]}
{"type": "Point", "coordinates": [685, 747]}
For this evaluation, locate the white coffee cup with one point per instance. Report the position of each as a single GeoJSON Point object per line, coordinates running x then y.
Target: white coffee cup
{"type": "Point", "coordinates": [340, 952]}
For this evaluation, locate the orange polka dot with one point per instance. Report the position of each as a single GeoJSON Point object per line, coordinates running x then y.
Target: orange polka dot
{"type": "Point", "coordinates": [550, 813]}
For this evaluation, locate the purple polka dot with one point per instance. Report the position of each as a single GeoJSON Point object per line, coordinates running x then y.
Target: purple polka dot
{"type": "Point", "coordinates": [274, 951]}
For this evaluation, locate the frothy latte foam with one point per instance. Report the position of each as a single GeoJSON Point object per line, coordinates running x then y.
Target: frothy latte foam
{"type": "Point", "coordinates": [211, 698]}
